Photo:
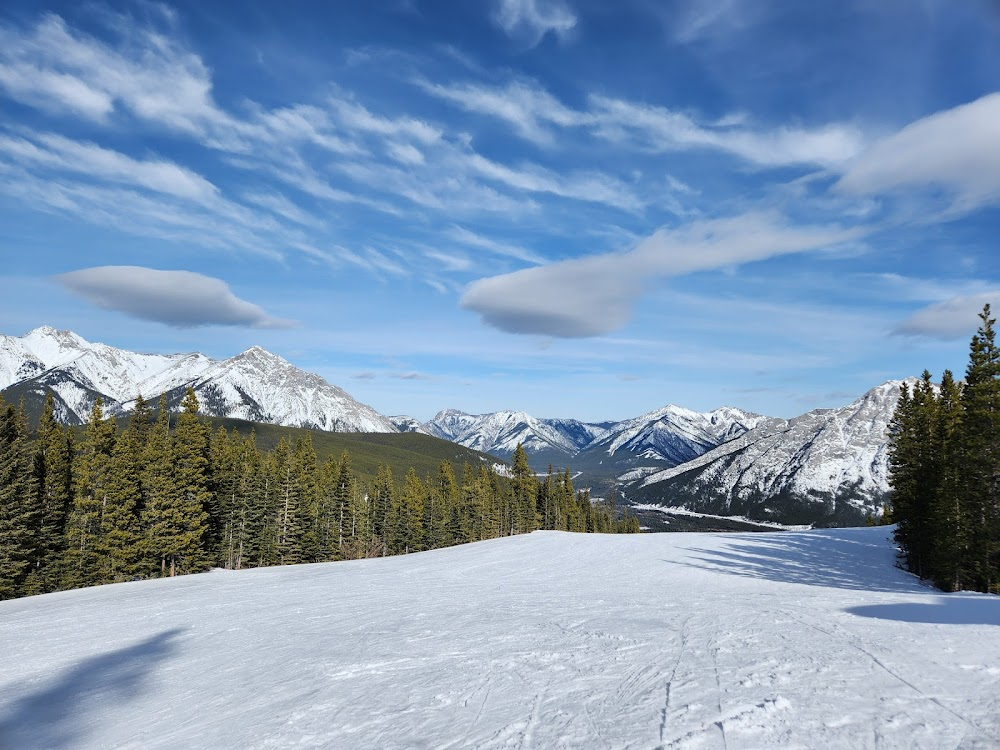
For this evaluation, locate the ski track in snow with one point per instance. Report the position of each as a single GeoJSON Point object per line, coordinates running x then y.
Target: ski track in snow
{"type": "Point", "coordinates": [800, 639]}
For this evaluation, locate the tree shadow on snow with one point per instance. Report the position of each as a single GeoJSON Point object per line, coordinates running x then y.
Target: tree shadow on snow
{"type": "Point", "coordinates": [58, 714]}
{"type": "Point", "coordinates": [955, 609]}
{"type": "Point", "coordinates": [833, 558]}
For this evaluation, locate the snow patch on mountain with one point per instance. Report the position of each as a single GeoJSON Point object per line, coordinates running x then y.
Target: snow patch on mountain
{"type": "Point", "coordinates": [502, 431]}
{"type": "Point", "coordinates": [676, 435]}
{"type": "Point", "coordinates": [255, 385]}
{"type": "Point", "coordinates": [825, 452]}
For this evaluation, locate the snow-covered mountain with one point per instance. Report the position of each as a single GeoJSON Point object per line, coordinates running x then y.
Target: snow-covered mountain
{"type": "Point", "coordinates": [255, 385]}
{"type": "Point", "coordinates": [406, 423]}
{"type": "Point", "coordinates": [673, 434]}
{"type": "Point", "coordinates": [825, 466]}
{"type": "Point", "coordinates": [500, 432]}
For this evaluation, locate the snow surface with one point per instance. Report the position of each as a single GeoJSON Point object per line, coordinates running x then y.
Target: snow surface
{"type": "Point", "coordinates": [552, 640]}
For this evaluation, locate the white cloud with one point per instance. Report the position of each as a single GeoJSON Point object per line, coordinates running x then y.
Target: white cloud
{"type": "Point", "coordinates": [56, 152]}
{"type": "Point", "coordinates": [175, 298]}
{"type": "Point", "coordinates": [62, 70]}
{"type": "Point", "coordinates": [957, 149]}
{"type": "Point", "coordinates": [534, 114]}
{"type": "Point", "coordinates": [659, 129]}
{"type": "Point", "coordinates": [594, 295]}
{"type": "Point", "coordinates": [533, 19]}
{"type": "Point", "coordinates": [527, 108]}
{"type": "Point", "coordinates": [463, 236]}
{"type": "Point", "coordinates": [955, 318]}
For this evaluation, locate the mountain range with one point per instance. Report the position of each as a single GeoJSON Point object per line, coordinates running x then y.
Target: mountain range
{"type": "Point", "coordinates": [254, 385]}
{"type": "Point", "coordinates": [827, 466]}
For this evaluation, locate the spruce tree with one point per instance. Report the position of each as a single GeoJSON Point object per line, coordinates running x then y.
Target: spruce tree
{"type": "Point", "coordinates": [159, 515]}
{"type": "Point", "coordinates": [91, 472]}
{"type": "Point", "coordinates": [947, 515]}
{"type": "Point", "coordinates": [980, 446]}
{"type": "Point", "coordinates": [524, 517]}
{"type": "Point", "coordinates": [54, 486]}
{"type": "Point", "coordinates": [120, 542]}
{"type": "Point", "coordinates": [18, 514]}
{"type": "Point", "coordinates": [190, 455]}
{"type": "Point", "coordinates": [289, 525]}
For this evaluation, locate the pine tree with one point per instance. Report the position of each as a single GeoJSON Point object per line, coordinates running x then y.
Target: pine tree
{"type": "Point", "coordinates": [524, 517]}
{"type": "Point", "coordinates": [54, 486]}
{"type": "Point", "coordinates": [947, 514]}
{"type": "Point", "coordinates": [190, 455]}
{"type": "Point", "coordinates": [17, 502]}
{"type": "Point", "coordinates": [289, 492]}
{"type": "Point", "coordinates": [382, 494]}
{"type": "Point", "coordinates": [91, 472]}
{"type": "Point", "coordinates": [159, 515]}
{"type": "Point", "coordinates": [980, 446]}
{"type": "Point", "coordinates": [120, 541]}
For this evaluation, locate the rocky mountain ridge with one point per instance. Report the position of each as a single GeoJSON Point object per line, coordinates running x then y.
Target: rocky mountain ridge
{"type": "Point", "coordinates": [255, 385]}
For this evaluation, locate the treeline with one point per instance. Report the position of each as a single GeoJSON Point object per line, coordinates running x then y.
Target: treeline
{"type": "Point", "coordinates": [944, 457]}
{"type": "Point", "coordinates": [166, 496]}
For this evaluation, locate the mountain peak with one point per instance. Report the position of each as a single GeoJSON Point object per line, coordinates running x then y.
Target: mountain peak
{"type": "Point", "coordinates": [61, 336]}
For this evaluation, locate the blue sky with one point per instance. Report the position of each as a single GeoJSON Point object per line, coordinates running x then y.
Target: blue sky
{"type": "Point", "coordinates": [576, 209]}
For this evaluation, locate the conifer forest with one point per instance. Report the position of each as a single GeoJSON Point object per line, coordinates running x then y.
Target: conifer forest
{"type": "Point", "coordinates": [165, 495]}
{"type": "Point", "coordinates": [944, 456]}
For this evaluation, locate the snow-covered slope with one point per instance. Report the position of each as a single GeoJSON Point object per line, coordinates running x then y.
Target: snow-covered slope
{"type": "Point", "coordinates": [669, 435]}
{"type": "Point", "coordinates": [826, 464]}
{"type": "Point", "coordinates": [254, 385]}
{"type": "Point", "coordinates": [674, 434]}
{"type": "Point", "coordinates": [406, 423]}
{"type": "Point", "coordinates": [500, 432]}
{"type": "Point", "coordinates": [798, 639]}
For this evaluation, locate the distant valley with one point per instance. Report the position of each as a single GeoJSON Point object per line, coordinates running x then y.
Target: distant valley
{"type": "Point", "coordinates": [825, 467]}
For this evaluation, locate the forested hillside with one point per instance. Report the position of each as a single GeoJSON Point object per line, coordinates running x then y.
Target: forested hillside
{"type": "Point", "coordinates": [165, 495]}
{"type": "Point", "coordinates": [945, 463]}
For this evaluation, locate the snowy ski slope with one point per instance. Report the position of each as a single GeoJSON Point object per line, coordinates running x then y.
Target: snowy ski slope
{"type": "Point", "coordinates": [799, 639]}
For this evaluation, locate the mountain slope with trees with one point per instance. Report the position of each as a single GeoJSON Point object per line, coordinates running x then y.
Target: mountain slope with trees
{"type": "Point", "coordinates": [166, 495]}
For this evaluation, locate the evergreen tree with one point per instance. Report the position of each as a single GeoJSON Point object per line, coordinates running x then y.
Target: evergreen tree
{"type": "Point", "coordinates": [190, 455]}
{"type": "Point", "coordinates": [120, 541]}
{"type": "Point", "coordinates": [160, 515]}
{"type": "Point", "coordinates": [17, 502]}
{"type": "Point", "coordinates": [980, 438]}
{"type": "Point", "coordinates": [290, 528]}
{"type": "Point", "coordinates": [54, 485]}
{"type": "Point", "coordinates": [947, 516]}
{"type": "Point", "coordinates": [92, 471]}
{"type": "Point", "coordinates": [382, 494]}
{"type": "Point", "coordinates": [525, 517]}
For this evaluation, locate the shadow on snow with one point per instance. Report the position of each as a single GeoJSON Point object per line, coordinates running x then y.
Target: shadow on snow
{"type": "Point", "coordinates": [56, 715]}
{"type": "Point", "coordinates": [954, 609]}
{"type": "Point", "coordinates": [833, 558]}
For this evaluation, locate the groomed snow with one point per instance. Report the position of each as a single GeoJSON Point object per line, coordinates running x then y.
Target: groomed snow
{"type": "Point", "coordinates": [799, 639]}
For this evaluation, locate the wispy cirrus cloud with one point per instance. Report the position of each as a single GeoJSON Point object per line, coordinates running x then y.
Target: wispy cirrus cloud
{"type": "Point", "coordinates": [182, 299]}
{"type": "Point", "coordinates": [52, 151]}
{"type": "Point", "coordinates": [538, 116]}
{"type": "Point", "coordinates": [533, 19]}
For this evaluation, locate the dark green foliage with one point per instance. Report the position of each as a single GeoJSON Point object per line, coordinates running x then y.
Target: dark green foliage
{"type": "Point", "coordinates": [54, 487]}
{"type": "Point", "coordinates": [945, 464]}
{"type": "Point", "coordinates": [82, 561]}
{"type": "Point", "coordinates": [121, 544]}
{"type": "Point", "coordinates": [18, 505]}
{"type": "Point", "coordinates": [157, 498]}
